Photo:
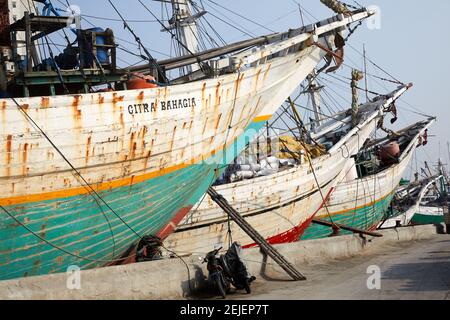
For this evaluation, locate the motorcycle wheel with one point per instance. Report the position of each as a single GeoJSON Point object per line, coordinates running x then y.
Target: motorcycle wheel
{"type": "Point", "coordinates": [247, 287]}
{"type": "Point", "coordinates": [220, 287]}
{"type": "Point", "coordinates": [228, 288]}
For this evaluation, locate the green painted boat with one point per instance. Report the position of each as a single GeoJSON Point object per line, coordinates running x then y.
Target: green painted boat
{"type": "Point", "coordinates": [361, 201]}
{"type": "Point", "coordinates": [428, 215]}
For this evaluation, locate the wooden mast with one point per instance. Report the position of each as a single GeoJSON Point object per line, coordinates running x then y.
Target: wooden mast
{"type": "Point", "coordinates": [365, 74]}
{"type": "Point", "coordinates": [186, 29]}
{"type": "Point", "coordinates": [314, 91]}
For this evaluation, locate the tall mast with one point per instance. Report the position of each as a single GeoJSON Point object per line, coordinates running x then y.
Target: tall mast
{"type": "Point", "coordinates": [356, 77]}
{"type": "Point", "coordinates": [448, 151]}
{"type": "Point", "coordinates": [365, 74]}
{"type": "Point", "coordinates": [185, 25]}
{"type": "Point", "coordinates": [314, 92]}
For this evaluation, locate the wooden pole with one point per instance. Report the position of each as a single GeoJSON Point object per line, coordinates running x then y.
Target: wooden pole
{"type": "Point", "coordinates": [266, 247]}
{"type": "Point", "coordinates": [365, 74]}
{"type": "Point", "coordinates": [354, 230]}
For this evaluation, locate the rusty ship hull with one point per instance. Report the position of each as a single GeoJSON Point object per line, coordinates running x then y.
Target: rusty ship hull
{"type": "Point", "coordinates": [133, 163]}
{"type": "Point", "coordinates": [148, 161]}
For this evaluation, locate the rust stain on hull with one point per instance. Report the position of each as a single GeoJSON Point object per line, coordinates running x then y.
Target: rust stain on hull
{"type": "Point", "coordinates": [25, 159]}
{"type": "Point", "coordinates": [88, 147]}
{"type": "Point", "coordinates": [140, 97]}
{"type": "Point", "coordinates": [8, 154]}
{"type": "Point", "coordinates": [45, 102]}
{"type": "Point", "coordinates": [266, 72]}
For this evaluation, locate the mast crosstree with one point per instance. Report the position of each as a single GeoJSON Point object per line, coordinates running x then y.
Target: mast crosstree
{"type": "Point", "coordinates": [186, 29]}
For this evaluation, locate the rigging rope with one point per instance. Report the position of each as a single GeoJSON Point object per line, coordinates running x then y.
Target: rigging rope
{"type": "Point", "coordinates": [78, 173]}
{"type": "Point", "coordinates": [200, 63]}
{"type": "Point", "coordinates": [150, 58]}
{"type": "Point", "coordinates": [241, 16]}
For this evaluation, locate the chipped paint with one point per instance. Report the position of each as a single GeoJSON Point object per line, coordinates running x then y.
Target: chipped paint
{"type": "Point", "coordinates": [166, 174]}
{"type": "Point", "coordinates": [276, 206]}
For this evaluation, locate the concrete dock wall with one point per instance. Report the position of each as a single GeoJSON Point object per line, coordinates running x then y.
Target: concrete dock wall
{"type": "Point", "coordinates": [169, 279]}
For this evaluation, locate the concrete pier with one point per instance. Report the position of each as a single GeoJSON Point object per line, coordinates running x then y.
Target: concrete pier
{"type": "Point", "coordinates": [413, 270]}
{"type": "Point", "coordinates": [325, 262]}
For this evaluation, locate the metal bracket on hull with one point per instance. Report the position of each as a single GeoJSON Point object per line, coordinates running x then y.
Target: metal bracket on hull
{"type": "Point", "coordinates": [255, 236]}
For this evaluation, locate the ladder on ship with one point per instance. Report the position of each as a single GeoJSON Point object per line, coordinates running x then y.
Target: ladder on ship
{"type": "Point", "coordinates": [255, 236]}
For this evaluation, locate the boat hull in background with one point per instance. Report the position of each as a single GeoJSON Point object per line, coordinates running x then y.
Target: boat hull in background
{"type": "Point", "coordinates": [405, 218]}
{"type": "Point", "coordinates": [428, 215]}
{"type": "Point", "coordinates": [279, 206]}
{"type": "Point", "coordinates": [362, 203]}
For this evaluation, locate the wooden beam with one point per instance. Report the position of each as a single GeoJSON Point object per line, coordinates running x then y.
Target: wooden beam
{"type": "Point", "coordinates": [354, 230]}
{"type": "Point", "coordinates": [182, 61]}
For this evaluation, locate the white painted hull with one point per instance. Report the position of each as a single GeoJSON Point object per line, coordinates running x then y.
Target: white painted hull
{"type": "Point", "coordinates": [149, 154]}
{"type": "Point", "coordinates": [362, 203]}
{"type": "Point", "coordinates": [405, 218]}
{"type": "Point", "coordinates": [401, 220]}
{"type": "Point", "coordinates": [430, 211]}
{"type": "Point", "coordinates": [279, 206]}
{"type": "Point", "coordinates": [362, 193]}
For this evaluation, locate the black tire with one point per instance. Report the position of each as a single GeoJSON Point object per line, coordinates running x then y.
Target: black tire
{"type": "Point", "coordinates": [247, 287]}
{"type": "Point", "coordinates": [220, 287]}
{"type": "Point", "coordinates": [228, 288]}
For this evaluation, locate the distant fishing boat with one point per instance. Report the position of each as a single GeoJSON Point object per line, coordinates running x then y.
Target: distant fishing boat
{"type": "Point", "coordinates": [428, 214]}
{"type": "Point", "coordinates": [86, 171]}
{"type": "Point", "coordinates": [406, 203]}
{"type": "Point", "coordinates": [361, 200]}
{"type": "Point", "coordinates": [434, 206]}
{"type": "Point", "coordinates": [281, 205]}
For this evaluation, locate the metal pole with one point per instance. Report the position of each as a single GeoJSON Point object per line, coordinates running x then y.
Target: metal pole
{"type": "Point", "coordinates": [28, 41]}
{"type": "Point", "coordinates": [314, 91]}
{"type": "Point", "coordinates": [301, 14]}
{"type": "Point", "coordinates": [186, 28]}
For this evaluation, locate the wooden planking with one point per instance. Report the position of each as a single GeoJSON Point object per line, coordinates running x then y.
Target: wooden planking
{"type": "Point", "coordinates": [116, 169]}
{"type": "Point", "coordinates": [292, 194]}
{"type": "Point", "coordinates": [89, 235]}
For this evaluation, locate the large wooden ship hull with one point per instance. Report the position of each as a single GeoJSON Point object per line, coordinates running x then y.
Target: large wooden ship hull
{"type": "Point", "coordinates": [279, 206]}
{"type": "Point", "coordinates": [148, 154]}
{"type": "Point", "coordinates": [362, 203]}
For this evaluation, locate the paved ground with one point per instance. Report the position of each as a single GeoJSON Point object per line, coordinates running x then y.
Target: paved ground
{"type": "Point", "coordinates": [409, 270]}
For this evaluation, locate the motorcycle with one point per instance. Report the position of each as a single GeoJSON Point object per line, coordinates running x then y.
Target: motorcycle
{"type": "Point", "coordinates": [216, 273]}
{"type": "Point", "coordinates": [235, 268]}
{"type": "Point", "coordinates": [229, 269]}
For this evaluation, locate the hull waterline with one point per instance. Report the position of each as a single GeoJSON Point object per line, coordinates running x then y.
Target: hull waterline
{"type": "Point", "coordinates": [363, 202]}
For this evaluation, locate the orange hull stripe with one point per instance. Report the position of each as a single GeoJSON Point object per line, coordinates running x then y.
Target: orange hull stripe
{"type": "Point", "coordinates": [262, 118]}
{"type": "Point", "coordinates": [359, 207]}
{"type": "Point", "coordinates": [106, 185]}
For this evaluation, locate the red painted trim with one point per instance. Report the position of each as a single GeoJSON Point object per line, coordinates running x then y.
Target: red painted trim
{"type": "Point", "coordinates": [163, 233]}
{"type": "Point", "coordinates": [170, 227]}
{"type": "Point", "coordinates": [374, 227]}
{"type": "Point", "coordinates": [295, 233]}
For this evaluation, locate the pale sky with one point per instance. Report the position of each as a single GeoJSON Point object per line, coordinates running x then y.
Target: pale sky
{"type": "Point", "coordinates": [412, 44]}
